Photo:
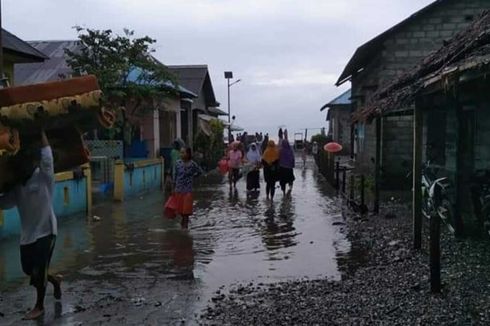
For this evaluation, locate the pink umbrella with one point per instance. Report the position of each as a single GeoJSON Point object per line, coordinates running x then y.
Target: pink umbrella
{"type": "Point", "coordinates": [332, 147]}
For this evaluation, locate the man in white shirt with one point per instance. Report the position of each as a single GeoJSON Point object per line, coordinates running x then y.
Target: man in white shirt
{"type": "Point", "coordinates": [33, 199]}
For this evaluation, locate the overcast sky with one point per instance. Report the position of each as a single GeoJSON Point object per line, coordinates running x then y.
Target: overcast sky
{"type": "Point", "coordinates": [288, 53]}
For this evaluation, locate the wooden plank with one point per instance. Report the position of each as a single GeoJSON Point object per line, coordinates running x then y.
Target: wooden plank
{"type": "Point", "coordinates": [377, 168]}
{"type": "Point", "coordinates": [435, 254]}
{"type": "Point", "coordinates": [417, 176]}
{"type": "Point", "coordinates": [460, 164]}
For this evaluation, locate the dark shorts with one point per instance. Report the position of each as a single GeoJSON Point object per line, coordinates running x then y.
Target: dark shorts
{"type": "Point", "coordinates": [35, 259]}
{"type": "Point", "coordinates": [235, 174]}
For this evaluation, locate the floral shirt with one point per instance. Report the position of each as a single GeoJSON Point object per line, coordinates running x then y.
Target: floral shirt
{"type": "Point", "coordinates": [184, 175]}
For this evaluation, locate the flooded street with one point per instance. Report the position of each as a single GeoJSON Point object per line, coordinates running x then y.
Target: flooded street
{"type": "Point", "coordinates": [136, 267]}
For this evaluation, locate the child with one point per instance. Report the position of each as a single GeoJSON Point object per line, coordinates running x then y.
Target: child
{"type": "Point", "coordinates": [235, 157]}
{"type": "Point", "coordinates": [33, 198]}
{"type": "Point", "coordinates": [185, 172]}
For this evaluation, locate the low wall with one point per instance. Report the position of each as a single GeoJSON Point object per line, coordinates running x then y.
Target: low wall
{"type": "Point", "coordinates": [137, 177]}
{"type": "Point", "coordinates": [71, 196]}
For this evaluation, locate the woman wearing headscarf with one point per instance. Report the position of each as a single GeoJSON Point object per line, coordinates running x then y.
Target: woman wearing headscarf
{"type": "Point", "coordinates": [253, 158]}
{"type": "Point", "coordinates": [270, 161]}
{"type": "Point", "coordinates": [286, 166]}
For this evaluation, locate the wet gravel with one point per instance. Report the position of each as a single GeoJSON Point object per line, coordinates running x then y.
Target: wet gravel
{"type": "Point", "coordinates": [390, 287]}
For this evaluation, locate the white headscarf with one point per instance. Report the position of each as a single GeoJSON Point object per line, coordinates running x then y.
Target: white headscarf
{"type": "Point", "coordinates": [254, 156]}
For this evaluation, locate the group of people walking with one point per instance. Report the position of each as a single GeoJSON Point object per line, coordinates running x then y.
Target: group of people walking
{"type": "Point", "coordinates": [277, 162]}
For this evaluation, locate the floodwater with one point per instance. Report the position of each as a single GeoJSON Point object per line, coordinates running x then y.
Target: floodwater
{"type": "Point", "coordinates": [136, 267]}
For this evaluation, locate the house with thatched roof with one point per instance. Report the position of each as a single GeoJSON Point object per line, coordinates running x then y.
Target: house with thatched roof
{"type": "Point", "coordinates": [384, 143]}
{"type": "Point", "coordinates": [450, 89]}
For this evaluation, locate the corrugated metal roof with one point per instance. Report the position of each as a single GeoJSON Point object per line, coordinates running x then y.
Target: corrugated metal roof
{"type": "Point", "coordinates": [196, 79]}
{"type": "Point", "coordinates": [365, 52]}
{"type": "Point", "coordinates": [55, 68]}
{"type": "Point", "coordinates": [19, 47]}
{"type": "Point", "coordinates": [135, 74]}
{"type": "Point", "coordinates": [344, 99]}
{"type": "Point", "coordinates": [217, 111]}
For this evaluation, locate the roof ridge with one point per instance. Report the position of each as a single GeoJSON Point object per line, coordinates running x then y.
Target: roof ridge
{"type": "Point", "coordinates": [189, 66]}
{"type": "Point", "coordinates": [350, 66]}
{"type": "Point", "coordinates": [39, 53]}
{"type": "Point", "coordinates": [49, 41]}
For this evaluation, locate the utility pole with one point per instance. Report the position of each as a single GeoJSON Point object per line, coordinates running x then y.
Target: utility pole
{"type": "Point", "coordinates": [2, 75]}
{"type": "Point", "coordinates": [228, 76]}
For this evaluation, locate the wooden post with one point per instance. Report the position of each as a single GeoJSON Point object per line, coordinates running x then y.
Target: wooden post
{"type": "Point", "coordinates": [377, 168]}
{"type": "Point", "coordinates": [352, 180]}
{"type": "Point", "coordinates": [162, 171]}
{"type": "Point", "coordinates": [460, 164]}
{"type": "Point", "coordinates": [87, 171]}
{"type": "Point", "coordinates": [435, 247]}
{"type": "Point", "coordinates": [119, 180]}
{"type": "Point", "coordinates": [435, 254]}
{"type": "Point", "coordinates": [363, 181]}
{"type": "Point", "coordinates": [344, 176]}
{"type": "Point", "coordinates": [337, 176]}
{"type": "Point", "coordinates": [417, 176]}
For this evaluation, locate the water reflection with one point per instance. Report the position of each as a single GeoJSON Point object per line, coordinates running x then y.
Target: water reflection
{"type": "Point", "coordinates": [233, 237]}
{"type": "Point", "coordinates": [178, 245]}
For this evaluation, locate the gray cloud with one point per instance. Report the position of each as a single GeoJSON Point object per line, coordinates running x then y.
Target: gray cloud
{"type": "Point", "coordinates": [288, 53]}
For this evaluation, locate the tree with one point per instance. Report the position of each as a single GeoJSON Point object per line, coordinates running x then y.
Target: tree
{"type": "Point", "coordinates": [211, 146]}
{"type": "Point", "coordinates": [132, 80]}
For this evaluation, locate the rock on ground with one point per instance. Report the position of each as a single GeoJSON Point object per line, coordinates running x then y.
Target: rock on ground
{"type": "Point", "coordinates": [391, 287]}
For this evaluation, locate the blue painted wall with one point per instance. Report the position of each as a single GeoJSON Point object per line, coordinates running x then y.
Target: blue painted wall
{"type": "Point", "coordinates": [142, 179]}
{"type": "Point", "coordinates": [70, 197]}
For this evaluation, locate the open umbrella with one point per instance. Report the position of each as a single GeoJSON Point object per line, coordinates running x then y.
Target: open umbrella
{"type": "Point", "coordinates": [332, 147]}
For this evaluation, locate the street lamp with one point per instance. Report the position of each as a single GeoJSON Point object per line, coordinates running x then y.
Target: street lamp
{"type": "Point", "coordinates": [228, 76]}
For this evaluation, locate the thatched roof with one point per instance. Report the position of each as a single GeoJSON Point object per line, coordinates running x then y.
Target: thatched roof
{"type": "Point", "coordinates": [469, 49]}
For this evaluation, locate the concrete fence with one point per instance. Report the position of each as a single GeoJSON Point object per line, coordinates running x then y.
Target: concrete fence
{"type": "Point", "coordinates": [137, 177]}
{"type": "Point", "coordinates": [72, 195]}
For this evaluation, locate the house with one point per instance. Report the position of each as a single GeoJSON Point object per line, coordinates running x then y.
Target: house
{"type": "Point", "coordinates": [16, 51]}
{"type": "Point", "coordinates": [157, 127]}
{"type": "Point", "coordinates": [339, 118]}
{"type": "Point", "coordinates": [452, 121]}
{"type": "Point", "coordinates": [384, 144]}
{"type": "Point", "coordinates": [196, 113]}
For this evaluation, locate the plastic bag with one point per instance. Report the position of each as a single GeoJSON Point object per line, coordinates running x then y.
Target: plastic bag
{"type": "Point", "coordinates": [223, 166]}
{"type": "Point", "coordinates": [170, 208]}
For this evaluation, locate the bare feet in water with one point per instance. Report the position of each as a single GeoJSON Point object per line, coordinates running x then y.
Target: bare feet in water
{"type": "Point", "coordinates": [56, 281]}
{"type": "Point", "coordinates": [34, 314]}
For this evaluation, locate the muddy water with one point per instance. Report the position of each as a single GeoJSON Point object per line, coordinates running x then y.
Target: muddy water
{"type": "Point", "coordinates": [134, 265]}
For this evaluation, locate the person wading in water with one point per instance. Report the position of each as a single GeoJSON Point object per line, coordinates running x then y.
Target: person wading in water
{"type": "Point", "coordinates": [33, 199]}
{"type": "Point", "coordinates": [270, 161]}
{"type": "Point", "coordinates": [286, 166]}
{"type": "Point", "coordinates": [185, 172]}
